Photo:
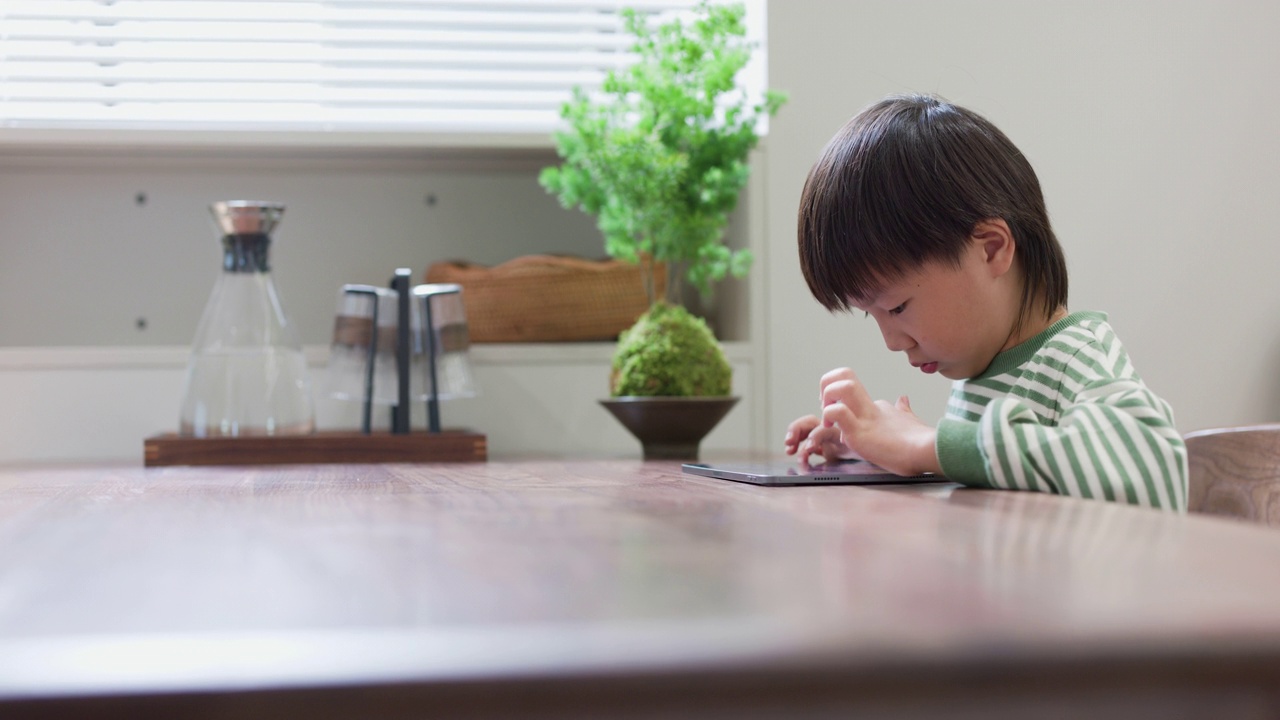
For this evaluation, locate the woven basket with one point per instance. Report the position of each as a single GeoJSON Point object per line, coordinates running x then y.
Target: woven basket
{"type": "Point", "coordinates": [549, 298]}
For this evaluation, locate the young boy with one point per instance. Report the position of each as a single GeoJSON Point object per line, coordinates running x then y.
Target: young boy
{"type": "Point", "coordinates": [926, 217]}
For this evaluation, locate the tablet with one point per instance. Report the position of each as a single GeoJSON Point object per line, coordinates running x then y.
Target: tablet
{"type": "Point", "coordinates": [791, 472]}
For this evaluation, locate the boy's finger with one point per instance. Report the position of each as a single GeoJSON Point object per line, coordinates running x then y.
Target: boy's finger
{"type": "Point", "coordinates": [852, 394]}
{"type": "Point", "coordinates": [803, 451]}
{"type": "Point", "coordinates": [835, 376]}
{"type": "Point", "coordinates": [838, 415]}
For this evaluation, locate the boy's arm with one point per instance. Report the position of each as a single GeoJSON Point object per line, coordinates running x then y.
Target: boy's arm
{"type": "Point", "coordinates": [1117, 441]}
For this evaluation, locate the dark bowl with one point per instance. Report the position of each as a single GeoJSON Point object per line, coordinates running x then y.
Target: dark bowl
{"type": "Point", "coordinates": [669, 428]}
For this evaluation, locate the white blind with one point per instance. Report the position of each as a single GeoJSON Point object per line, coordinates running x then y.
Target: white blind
{"type": "Point", "coordinates": [451, 66]}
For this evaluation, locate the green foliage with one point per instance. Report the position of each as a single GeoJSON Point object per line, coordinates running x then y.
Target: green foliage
{"type": "Point", "coordinates": [669, 352]}
{"type": "Point", "coordinates": [659, 156]}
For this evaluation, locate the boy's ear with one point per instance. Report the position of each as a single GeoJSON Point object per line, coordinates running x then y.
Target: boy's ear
{"type": "Point", "coordinates": [998, 246]}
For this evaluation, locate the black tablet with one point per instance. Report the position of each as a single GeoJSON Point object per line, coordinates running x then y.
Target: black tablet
{"type": "Point", "coordinates": [791, 472]}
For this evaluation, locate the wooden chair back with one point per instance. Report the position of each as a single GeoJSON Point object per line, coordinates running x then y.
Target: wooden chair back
{"type": "Point", "coordinates": [1235, 471]}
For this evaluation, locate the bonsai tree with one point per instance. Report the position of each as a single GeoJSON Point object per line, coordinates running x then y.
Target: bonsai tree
{"type": "Point", "coordinates": [659, 156]}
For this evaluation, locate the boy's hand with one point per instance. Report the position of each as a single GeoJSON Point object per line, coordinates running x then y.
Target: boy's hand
{"type": "Point", "coordinates": [807, 436]}
{"type": "Point", "coordinates": [889, 435]}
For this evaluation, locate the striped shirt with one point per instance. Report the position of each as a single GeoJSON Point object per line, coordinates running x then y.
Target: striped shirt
{"type": "Point", "coordinates": [1065, 413]}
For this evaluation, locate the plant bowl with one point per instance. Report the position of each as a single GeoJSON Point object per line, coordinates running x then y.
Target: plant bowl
{"type": "Point", "coordinates": [669, 428]}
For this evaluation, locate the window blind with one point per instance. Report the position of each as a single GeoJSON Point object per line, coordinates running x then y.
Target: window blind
{"type": "Point", "coordinates": [448, 66]}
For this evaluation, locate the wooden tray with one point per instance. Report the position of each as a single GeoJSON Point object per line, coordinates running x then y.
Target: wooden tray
{"type": "Point", "coordinates": [321, 447]}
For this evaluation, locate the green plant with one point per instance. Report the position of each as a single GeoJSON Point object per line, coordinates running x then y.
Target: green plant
{"type": "Point", "coordinates": [659, 156]}
{"type": "Point", "coordinates": [669, 352]}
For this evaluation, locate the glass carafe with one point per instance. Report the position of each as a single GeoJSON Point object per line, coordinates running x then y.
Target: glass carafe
{"type": "Point", "coordinates": [247, 374]}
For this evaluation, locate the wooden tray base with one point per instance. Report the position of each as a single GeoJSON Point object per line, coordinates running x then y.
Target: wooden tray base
{"type": "Point", "coordinates": [321, 447]}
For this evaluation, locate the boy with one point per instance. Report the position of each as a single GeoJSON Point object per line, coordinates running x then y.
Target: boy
{"type": "Point", "coordinates": [927, 218]}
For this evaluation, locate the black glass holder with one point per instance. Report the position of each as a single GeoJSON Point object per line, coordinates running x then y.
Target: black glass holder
{"type": "Point", "coordinates": [400, 285]}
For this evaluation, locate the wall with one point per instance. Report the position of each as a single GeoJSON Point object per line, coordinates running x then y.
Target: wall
{"type": "Point", "coordinates": [127, 241]}
{"type": "Point", "coordinates": [1152, 126]}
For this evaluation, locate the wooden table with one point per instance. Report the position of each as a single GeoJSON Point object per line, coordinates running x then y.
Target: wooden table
{"type": "Point", "coordinates": [615, 589]}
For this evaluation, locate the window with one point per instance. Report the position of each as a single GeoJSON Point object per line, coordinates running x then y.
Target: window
{"type": "Point", "coordinates": [308, 66]}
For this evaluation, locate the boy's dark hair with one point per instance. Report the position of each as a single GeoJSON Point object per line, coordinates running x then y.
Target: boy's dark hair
{"type": "Point", "coordinates": [904, 183]}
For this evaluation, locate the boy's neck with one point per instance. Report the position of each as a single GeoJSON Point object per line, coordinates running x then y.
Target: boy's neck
{"type": "Point", "coordinates": [1025, 331]}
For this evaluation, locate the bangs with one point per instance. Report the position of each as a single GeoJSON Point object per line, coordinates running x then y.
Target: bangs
{"type": "Point", "coordinates": [847, 260]}
{"type": "Point", "coordinates": [869, 215]}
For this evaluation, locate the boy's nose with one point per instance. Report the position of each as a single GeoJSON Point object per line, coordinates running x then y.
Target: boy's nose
{"type": "Point", "coordinates": [895, 340]}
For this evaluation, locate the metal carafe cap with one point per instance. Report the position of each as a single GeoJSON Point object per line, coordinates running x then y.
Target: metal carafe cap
{"type": "Point", "coordinates": [246, 217]}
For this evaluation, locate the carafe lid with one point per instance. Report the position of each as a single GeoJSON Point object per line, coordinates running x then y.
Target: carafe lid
{"type": "Point", "coordinates": [245, 217]}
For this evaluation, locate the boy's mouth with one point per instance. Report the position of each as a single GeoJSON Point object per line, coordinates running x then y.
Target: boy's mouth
{"type": "Point", "coordinates": [929, 368]}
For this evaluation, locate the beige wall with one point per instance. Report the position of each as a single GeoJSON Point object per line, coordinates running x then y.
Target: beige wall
{"type": "Point", "coordinates": [126, 236]}
{"type": "Point", "coordinates": [1154, 129]}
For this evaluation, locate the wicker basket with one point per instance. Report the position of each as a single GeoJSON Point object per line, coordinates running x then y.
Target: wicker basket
{"type": "Point", "coordinates": [549, 298]}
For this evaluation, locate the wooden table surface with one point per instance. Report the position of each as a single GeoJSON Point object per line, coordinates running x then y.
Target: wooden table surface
{"type": "Point", "coordinates": [615, 589]}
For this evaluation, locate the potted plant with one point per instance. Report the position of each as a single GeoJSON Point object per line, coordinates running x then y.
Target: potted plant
{"type": "Point", "coordinates": [659, 157]}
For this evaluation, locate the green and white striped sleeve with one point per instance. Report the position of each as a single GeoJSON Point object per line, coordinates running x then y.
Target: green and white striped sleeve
{"type": "Point", "coordinates": [1116, 443]}
{"type": "Point", "coordinates": [1072, 419]}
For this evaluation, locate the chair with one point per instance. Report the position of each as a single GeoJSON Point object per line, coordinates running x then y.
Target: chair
{"type": "Point", "coordinates": [1235, 471]}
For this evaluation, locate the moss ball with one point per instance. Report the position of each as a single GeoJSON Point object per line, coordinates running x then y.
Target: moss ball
{"type": "Point", "coordinates": [669, 352]}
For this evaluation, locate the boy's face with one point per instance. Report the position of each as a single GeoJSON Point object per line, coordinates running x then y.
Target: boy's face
{"type": "Point", "coordinates": [952, 320]}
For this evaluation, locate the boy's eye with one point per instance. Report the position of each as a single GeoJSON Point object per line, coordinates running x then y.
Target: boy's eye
{"type": "Point", "coordinates": [898, 310]}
